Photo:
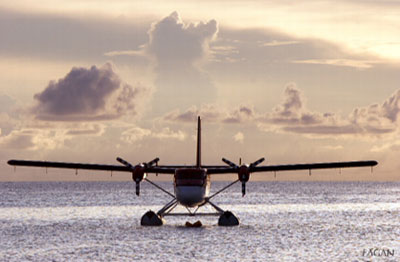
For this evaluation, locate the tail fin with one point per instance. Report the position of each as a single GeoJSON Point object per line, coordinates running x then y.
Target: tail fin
{"type": "Point", "coordinates": [198, 153]}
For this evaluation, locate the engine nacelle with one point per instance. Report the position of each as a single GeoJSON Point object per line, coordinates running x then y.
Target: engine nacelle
{"type": "Point", "coordinates": [244, 176]}
{"type": "Point", "coordinates": [138, 173]}
{"type": "Point", "coordinates": [244, 173]}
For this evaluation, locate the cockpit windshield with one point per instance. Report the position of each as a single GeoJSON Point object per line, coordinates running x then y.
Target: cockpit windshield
{"type": "Point", "coordinates": [190, 177]}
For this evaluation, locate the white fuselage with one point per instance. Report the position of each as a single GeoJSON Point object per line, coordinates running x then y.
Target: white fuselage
{"type": "Point", "coordinates": [191, 196]}
{"type": "Point", "coordinates": [191, 188]}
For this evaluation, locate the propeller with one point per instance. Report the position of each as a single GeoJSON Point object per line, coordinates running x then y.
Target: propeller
{"type": "Point", "coordinates": [243, 171]}
{"type": "Point", "coordinates": [152, 162]}
{"type": "Point", "coordinates": [229, 163]}
{"type": "Point", "coordinates": [138, 171]}
{"type": "Point", "coordinates": [256, 163]}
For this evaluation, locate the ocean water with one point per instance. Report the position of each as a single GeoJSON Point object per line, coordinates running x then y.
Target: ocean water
{"type": "Point", "coordinates": [280, 221]}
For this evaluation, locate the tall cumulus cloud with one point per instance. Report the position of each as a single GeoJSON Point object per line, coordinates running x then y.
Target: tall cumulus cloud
{"type": "Point", "coordinates": [177, 48]}
{"type": "Point", "coordinates": [174, 42]}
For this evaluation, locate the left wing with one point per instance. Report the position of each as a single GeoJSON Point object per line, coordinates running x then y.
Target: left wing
{"type": "Point", "coordinates": [244, 171]}
{"type": "Point", "coordinates": [315, 166]}
{"type": "Point", "coordinates": [119, 168]}
{"type": "Point", "coordinates": [230, 169]}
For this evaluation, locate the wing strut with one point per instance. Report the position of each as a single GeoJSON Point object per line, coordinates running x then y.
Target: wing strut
{"type": "Point", "coordinates": [223, 189]}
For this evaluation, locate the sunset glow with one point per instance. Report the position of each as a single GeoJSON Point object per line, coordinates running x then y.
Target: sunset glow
{"type": "Point", "coordinates": [295, 82]}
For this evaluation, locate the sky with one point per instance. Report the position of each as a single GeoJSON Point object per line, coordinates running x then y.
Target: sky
{"type": "Point", "coordinates": [291, 81]}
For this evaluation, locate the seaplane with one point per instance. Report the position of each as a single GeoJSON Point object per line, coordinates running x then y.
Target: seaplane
{"type": "Point", "coordinates": [192, 183]}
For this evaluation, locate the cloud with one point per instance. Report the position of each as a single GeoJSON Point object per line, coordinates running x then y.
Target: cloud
{"type": "Point", "coordinates": [211, 113]}
{"type": "Point", "coordinates": [239, 137]}
{"type": "Point", "coordinates": [391, 107]}
{"type": "Point", "coordinates": [58, 36]}
{"type": "Point", "coordinates": [378, 118]}
{"type": "Point", "coordinates": [87, 129]}
{"type": "Point", "coordinates": [139, 53]}
{"type": "Point", "coordinates": [33, 139]}
{"type": "Point", "coordinates": [355, 63]}
{"type": "Point", "coordinates": [87, 95]}
{"type": "Point", "coordinates": [174, 42]}
{"type": "Point", "coordinates": [292, 111]}
{"type": "Point", "coordinates": [7, 123]}
{"type": "Point", "coordinates": [323, 129]}
{"type": "Point", "coordinates": [137, 134]}
{"type": "Point", "coordinates": [207, 112]}
{"type": "Point", "coordinates": [20, 139]}
{"type": "Point", "coordinates": [225, 50]}
{"type": "Point", "coordinates": [48, 135]}
{"type": "Point", "coordinates": [7, 103]}
{"type": "Point", "coordinates": [384, 147]}
{"type": "Point", "coordinates": [333, 147]}
{"type": "Point", "coordinates": [293, 116]}
{"type": "Point", "coordinates": [274, 43]}
{"type": "Point", "coordinates": [167, 133]}
{"type": "Point", "coordinates": [293, 103]}
{"type": "Point", "coordinates": [8, 114]}
{"type": "Point", "coordinates": [241, 114]}
{"type": "Point", "coordinates": [178, 50]}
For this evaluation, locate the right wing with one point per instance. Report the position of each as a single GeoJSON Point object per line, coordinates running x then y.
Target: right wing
{"type": "Point", "coordinates": [120, 168]}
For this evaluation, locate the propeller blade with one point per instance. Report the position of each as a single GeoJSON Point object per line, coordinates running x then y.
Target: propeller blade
{"type": "Point", "coordinates": [137, 188]}
{"type": "Point", "coordinates": [259, 161]}
{"type": "Point", "coordinates": [153, 162]}
{"type": "Point", "coordinates": [125, 163]}
{"type": "Point", "coordinates": [243, 189]}
{"type": "Point", "coordinates": [229, 163]}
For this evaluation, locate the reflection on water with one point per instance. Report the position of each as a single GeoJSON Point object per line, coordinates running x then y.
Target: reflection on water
{"type": "Point", "coordinates": [280, 221]}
